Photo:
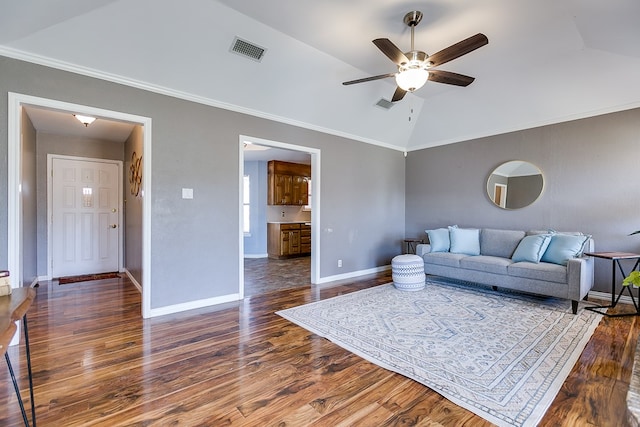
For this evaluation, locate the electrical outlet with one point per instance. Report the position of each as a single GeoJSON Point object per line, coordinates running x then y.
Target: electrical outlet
{"type": "Point", "coordinates": [339, 263]}
{"type": "Point", "coordinates": [282, 214]}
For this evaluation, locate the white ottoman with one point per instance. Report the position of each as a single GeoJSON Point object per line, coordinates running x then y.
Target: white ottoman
{"type": "Point", "coordinates": [407, 272]}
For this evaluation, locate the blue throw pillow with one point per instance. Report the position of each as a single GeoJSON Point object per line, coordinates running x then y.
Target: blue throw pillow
{"type": "Point", "coordinates": [439, 239]}
{"type": "Point", "coordinates": [564, 247]}
{"type": "Point", "coordinates": [464, 241]}
{"type": "Point", "coordinates": [531, 248]}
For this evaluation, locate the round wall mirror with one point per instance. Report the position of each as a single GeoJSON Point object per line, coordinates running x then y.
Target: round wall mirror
{"type": "Point", "coordinates": [515, 184]}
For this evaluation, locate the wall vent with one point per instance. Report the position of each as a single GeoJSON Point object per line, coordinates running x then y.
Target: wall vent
{"type": "Point", "coordinates": [384, 103]}
{"type": "Point", "coordinates": [247, 49]}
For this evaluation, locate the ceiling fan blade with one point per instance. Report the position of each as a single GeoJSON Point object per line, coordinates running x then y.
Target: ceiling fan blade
{"type": "Point", "coordinates": [368, 79]}
{"type": "Point", "coordinates": [449, 78]}
{"type": "Point", "coordinates": [391, 50]}
{"type": "Point", "coordinates": [398, 94]}
{"type": "Point", "coordinates": [457, 50]}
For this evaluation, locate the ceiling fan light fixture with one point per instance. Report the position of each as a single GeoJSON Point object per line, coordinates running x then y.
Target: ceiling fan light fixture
{"type": "Point", "coordinates": [413, 78]}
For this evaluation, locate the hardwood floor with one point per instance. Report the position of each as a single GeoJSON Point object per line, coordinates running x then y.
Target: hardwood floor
{"type": "Point", "coordinates": [265, 275]}
{"type": "Point", "coordinates": [97, 363]}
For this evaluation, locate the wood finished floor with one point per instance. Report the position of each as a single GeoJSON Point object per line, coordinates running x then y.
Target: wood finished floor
{"type": "Point", "coordinates": [265, 275]}
{"type": "Point", "coordinates": [97, 363]}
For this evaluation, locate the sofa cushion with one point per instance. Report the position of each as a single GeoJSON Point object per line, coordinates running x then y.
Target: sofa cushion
{"type": "Point", "coordinates": [531, 248]}
{"type": "Point", "coordinates": [464, 241]}
{"type": "Point", "coordinates": [439, 239]}
{"type": "Point", "coordinates": [564, 247]}
{"type": "Point", "coordinates": [488, 264]}
{"type": "Point", "coordinates": [501, 243]}
{"type": "Point", "coordinates": [541, 271]}
{"type": "Point", "coordinates": [443, 258]}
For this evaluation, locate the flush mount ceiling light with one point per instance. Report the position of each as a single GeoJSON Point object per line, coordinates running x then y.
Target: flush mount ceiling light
{"type": "Point", "coordinates": [248, 146]}
{"type": "Point", "coordinates": [85, 120]}
{"type": "Point", "coordinates": [416, 67]}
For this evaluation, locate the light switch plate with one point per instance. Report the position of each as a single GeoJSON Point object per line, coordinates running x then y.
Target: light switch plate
{"type": "Point", "coordinates": [187, 193]}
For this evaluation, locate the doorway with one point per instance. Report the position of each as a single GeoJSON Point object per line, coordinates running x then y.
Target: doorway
{"type": "Point", "coordinates": [315, 211]}
{"type": "Point", "coordinates": [17, 103]}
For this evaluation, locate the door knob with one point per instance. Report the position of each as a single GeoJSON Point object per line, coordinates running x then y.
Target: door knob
{"type": "Point", "coordinates": [113, 226]}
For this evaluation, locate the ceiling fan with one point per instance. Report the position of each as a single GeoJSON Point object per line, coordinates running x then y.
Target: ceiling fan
{"type": "Point", "coordinates": [416, 67]}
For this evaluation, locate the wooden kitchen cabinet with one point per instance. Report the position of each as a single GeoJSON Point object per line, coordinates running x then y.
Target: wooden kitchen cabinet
{"type": "Point", "coordinates": [288, 183]}
{"type": "Point", "coordinates": [285, 240]}
{"type": "Point", "coordinates": [305, 239]}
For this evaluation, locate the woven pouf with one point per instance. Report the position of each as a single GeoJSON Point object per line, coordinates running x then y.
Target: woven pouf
{"type": "Point", "coordinates": [407, 272]}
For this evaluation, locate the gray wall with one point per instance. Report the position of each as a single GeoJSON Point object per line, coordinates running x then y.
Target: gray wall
{"type": "Point", "coordinates": [194, 243]}
{"type": "Point", "coordinates": [591, 184]}
{"type": "Point", "coordinates": [133, 209]}
{"type": "Point", "coordinates": [68, 146]}
{"type": "Point", "coordinates": [29, 203]}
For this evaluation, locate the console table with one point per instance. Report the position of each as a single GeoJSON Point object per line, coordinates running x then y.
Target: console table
{"type": "Point", "coordinates": [14, 307]}
{"type": "Point", "coordinates": [615, 258]}
{"type": "Point", "coordinates": [411, 244]}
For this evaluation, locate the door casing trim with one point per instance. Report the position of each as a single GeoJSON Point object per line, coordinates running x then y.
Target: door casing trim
{"type": "Point", "coordinates": [14, 158]}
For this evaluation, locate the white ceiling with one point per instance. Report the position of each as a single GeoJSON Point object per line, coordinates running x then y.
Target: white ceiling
{"type": "Point", "coordinates": [254, 152]}
{"type": "Point", "coordinates": [64, 123]}
{"type": "Point", "coordinates": [546, 61]}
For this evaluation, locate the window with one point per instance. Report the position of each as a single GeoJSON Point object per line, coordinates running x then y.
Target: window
{"type": "Point", "coordinates": [246, 205]}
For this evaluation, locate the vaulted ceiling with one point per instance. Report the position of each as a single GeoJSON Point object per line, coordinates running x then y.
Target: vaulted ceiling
{"type": "Point", "coordinates": [547, 61]}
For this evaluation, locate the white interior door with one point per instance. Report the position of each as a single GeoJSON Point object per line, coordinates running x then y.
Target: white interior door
{"type": "Point", "coordinates": [84, 219]}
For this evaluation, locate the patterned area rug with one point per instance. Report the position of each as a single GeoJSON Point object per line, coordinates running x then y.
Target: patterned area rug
{"type": "Point", "coordinates": [503, 356]}
{"type": "Point", "coordinates": [87, 277]}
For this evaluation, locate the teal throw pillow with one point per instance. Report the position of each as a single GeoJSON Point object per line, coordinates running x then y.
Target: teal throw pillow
{"type": "Point", "coordinates": [439, 239]}
{"type": "Point", "coordinates": [464, 241]}
{"type": "Point", "coordinates": [563, 247]}
{"type": "Point", "coordinates": [531, 248]}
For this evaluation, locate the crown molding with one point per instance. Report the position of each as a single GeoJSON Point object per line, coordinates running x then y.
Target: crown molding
{"type": "Point", "coordinates": [139, 84]}
{"type": "Point", "coordinates": [532, 125]}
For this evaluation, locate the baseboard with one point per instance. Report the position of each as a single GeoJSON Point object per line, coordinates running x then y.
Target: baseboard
{"type": "Point", "coordinates": [606, 296]}
{"type": "Point", "coordinates": [176, 308]}
{"type": "Point", "coordinates": [133, 280]}
{"type": "Point", "coordinates": [353, 274]}
{"type": "Point", "coordinates": [256, 255]}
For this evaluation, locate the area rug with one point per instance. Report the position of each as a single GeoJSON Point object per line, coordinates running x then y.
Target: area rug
{"type": "Point", "coordinates": [503, 356]}
{"type": "Point", "coordinates": [87, 277]}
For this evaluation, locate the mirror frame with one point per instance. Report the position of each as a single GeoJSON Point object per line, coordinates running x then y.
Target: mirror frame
{"type": "Point", "coordinates": [492, 185]}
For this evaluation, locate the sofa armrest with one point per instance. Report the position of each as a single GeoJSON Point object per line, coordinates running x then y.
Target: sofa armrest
{"type": "Point", "coordinates": [579, 277]}
{"type": "Point", "coordinates": [423, 248]}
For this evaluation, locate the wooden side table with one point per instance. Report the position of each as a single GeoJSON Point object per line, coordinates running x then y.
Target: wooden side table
{"type": "Point", "coordinates": [615, 258]}
{"type": "Point", "coordinates": [411, 244]}
{"type": "Point", "coordinates": [14, 307]}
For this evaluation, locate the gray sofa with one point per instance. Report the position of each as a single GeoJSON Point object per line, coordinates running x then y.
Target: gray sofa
{"type": "Point", "coordinates": [495, 267]}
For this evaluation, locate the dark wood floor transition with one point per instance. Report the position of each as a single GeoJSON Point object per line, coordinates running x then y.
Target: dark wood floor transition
{"type": "Point", "coordinates": [97, 363]}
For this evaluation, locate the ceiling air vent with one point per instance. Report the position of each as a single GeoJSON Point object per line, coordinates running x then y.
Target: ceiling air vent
{"type": "Point", "coordinates": [383, 103]}
{"type": "Point", "coordinates": [248, 50]}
